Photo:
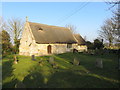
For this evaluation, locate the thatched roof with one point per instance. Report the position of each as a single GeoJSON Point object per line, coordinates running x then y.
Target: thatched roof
{"type": "Point", "coordinates": [51, 34]}
{"type": "Point", "coordinates": [80, 40]}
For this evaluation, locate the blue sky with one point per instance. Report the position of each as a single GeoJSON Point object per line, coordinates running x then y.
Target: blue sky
{"type": "Point", "coordinates": [86, 18]}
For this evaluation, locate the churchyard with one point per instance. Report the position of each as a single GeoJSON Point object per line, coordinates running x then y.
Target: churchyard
{"type": "Point", "coordinates": [68, 70]}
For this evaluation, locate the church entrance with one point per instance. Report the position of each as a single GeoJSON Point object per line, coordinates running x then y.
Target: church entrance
{"type": "Point", "coordinates": [49, 48]}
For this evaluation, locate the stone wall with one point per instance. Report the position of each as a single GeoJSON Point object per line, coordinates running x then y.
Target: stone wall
{"type": "Point", "coordinates": [80, 48]}
{"type": "Point", "coordinates": [26, 41]}
{"type": "Point", "coordinates": [42, 49]}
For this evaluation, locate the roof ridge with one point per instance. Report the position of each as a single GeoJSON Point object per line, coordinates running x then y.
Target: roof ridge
{"type": "Point", "coordinates": [48, 25]}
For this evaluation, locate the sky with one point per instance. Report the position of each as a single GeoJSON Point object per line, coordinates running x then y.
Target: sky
{"type": "Point", "coordinates": [87, 17]}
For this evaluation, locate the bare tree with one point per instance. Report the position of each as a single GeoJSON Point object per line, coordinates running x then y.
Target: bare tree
{"type": "Point", "coordinates": [113, 3]}
{"type": "Point", "coordinates": [85, 38]}
{"type": "Point", "coordinates": [2, 27]}
{"type": "Point", "coordinates": [2, 24]}
{"type": "Point", "coordinates": [15, 27]}
{"type": "Point", "coordinates": [116, 22]}
{"type": "Point", "coordinates": [107, 31]}
{"type": "Point", "coordinates": [71, 27]}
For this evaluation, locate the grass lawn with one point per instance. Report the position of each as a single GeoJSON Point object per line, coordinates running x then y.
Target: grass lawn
{"type": "Point", "coordinates": [33, 75]}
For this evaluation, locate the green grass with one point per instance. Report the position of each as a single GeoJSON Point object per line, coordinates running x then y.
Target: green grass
{"type": "Point", "coordinates": [67, 75]}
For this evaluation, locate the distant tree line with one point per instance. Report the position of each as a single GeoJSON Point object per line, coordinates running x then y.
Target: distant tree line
{"type": "Point", "coordinates": [97, 44]}
{"type": "Point", "coordinates": [109, 35]}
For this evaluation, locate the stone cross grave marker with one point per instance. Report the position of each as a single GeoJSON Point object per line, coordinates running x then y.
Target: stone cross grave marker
{"type": "Point", "coordinates": [99, 63]}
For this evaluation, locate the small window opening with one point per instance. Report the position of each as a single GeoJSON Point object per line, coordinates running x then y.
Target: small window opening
{"type": "Point", "coordinates": [40, 28]}
{"type": "Point", "coordinates": [69, 45]}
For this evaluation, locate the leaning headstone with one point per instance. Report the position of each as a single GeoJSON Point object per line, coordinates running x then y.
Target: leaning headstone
{"type": "Point", "coordinates": [99, 63]}
{"type": "Point", "coordinates": [15, 59]}
{"type": "Point", "coordinates": [51, 60]}
{"type": "Point", "coordinates": [33, 57]}
{"type": "Point", "coordinates": [76, 61]}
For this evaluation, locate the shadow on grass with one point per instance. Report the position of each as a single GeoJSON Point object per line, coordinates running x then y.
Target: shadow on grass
{"type": "Point", "coordinates": [70, 79]}
{"type": "Point", "coordinates": [10, 84]}
{"type": "Point", "coordinates": [34, 80]}
{"type": "Point", "coordinates": [88, 61]}
{"type": "Point", "coordinates": [7, 76]}
{"type": "Point", "coordinates": [109, 71]}
{"type": "Point", "coordinates": [7, 68]}
{"type": "Point", "coordinates": [66, 79]}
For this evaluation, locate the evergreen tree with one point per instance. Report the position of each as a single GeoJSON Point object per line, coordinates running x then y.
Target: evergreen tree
{"type": "Point", "coordinates": [6, 45]}
{"type": "Point", "coordinates": [90, 45]}
{"type": "Point", "coordinates": [98, 44]}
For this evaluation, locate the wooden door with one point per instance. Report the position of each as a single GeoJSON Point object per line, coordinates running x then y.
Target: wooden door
{"type": "Point", "coordinates": [49, 49]}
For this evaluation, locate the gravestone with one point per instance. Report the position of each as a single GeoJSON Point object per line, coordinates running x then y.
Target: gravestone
{"type": "Point", "coordinates": [15, 62]}
{"type": "Point", "coordinates": [15, 59]}
{"type": "Point", "coordinates": [33, 58]}
{"type": "Point", "coordinates": [99, 63]}
{"type": "Point", "coordinates": [51, 60]}
{"type": "Point", "coordinates": [76, 61]}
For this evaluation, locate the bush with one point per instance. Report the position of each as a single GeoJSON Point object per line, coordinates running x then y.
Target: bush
{"type": "Point", "coordinates": [89, 45]}
{"type": "Point", "coordinates": [98, 44]}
